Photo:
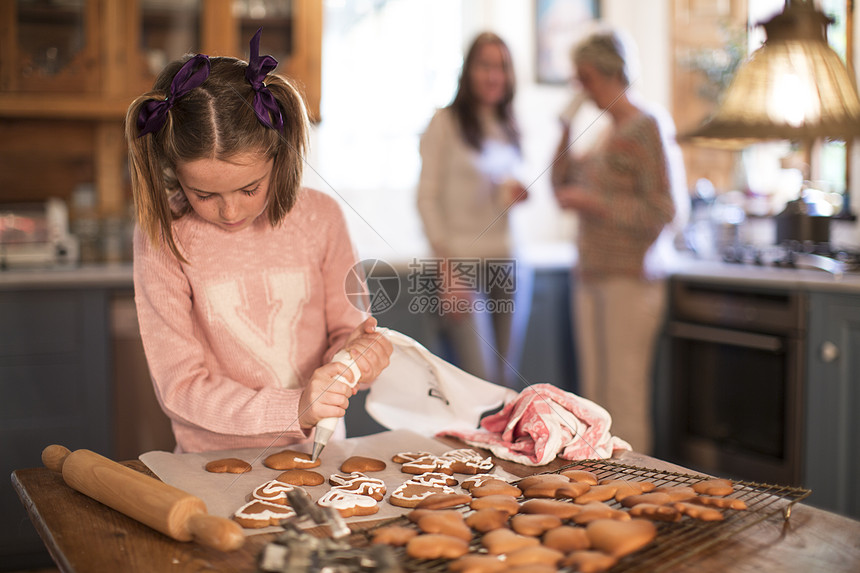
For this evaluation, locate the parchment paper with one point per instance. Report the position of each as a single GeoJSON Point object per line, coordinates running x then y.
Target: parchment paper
{"type": "Point", "coordinates": [225, 493]}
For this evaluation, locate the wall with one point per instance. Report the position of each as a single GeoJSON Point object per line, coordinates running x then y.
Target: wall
{"type": "Point", "coordinates": [540, 227]}
{"type": "Point", "coordinates": [539, 221]}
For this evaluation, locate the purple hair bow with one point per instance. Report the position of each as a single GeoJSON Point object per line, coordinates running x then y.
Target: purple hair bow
{"type": "Point", "coordinates": [153, 114]}
{"type": "Point", "coordinates": [265, 105]}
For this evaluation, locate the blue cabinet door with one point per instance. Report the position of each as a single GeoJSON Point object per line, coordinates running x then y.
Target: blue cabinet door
{"type": "Point", "coordinates": [832, 425]}
{"type": "Point", "coordinates": [53, 389]}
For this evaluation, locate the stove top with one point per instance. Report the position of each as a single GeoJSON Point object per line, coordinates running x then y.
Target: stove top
{"type": "Point", "coordinates": [795, 256]}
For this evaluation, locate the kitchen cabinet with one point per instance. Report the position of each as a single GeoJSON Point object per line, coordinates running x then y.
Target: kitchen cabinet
{"type": "Point", "coordinates": [53, 389]}
{"type": "Point", "coordinates": [832, 426]}
{"type": "Point", "coordinates": [70, 69]}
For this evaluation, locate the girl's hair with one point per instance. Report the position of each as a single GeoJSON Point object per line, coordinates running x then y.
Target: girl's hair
{"type": "Point", "coordinates": [465, 101]}
{"type": "Point", "coordinates": [610, 53]}
{"type": "Point", "coordinates": [213, 121]}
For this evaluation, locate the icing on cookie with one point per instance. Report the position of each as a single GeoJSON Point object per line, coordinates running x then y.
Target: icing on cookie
{"type": "Point", "coordinates": [473, 461]}
{"type": "Point", "coordinates": [258, 513]}
{"type": "Point", "coordinates": [434, 479]}
{"type": "Point", "coordinates": [348, 503]}
{"type": "Point", "coordinates": [411, 492]}
{"type": "Point", "coordinates": [273, 491]}
{"type": "Point", "coordinates": [359, 483]}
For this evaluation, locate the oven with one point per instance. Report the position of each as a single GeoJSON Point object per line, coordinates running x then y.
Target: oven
{"type": "Point", "coordinates": [736, 371]}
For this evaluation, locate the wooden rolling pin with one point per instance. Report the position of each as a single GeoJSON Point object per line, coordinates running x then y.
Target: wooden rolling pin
{"type": "Point", "coordinates": [163, 507]}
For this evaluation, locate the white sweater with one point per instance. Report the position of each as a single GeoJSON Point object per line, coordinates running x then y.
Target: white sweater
{"type": "Point", "coordinates": [460, 195]}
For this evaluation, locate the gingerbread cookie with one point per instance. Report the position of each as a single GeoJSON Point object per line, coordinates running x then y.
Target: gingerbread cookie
{"type": "Point", "coordinates": [589, 561]}
{"type": "Point", "coordinates": [626, 488]}
{"type": "Point", "coordinates": [551, 486]}
{"type": "Point", "coordinates": [359, 483]}
{"type": "Point", "coordinates": [603, 492]}
{"type": "Point", "coordinates": [228, 465]}
{"type": "Point", "coordinates": [467, 461]}
{"type": "Point", "coordinates": [566, 539]}
{"type": "Point", "coordinates": [655, 512]}
{"type": "Point", "coordinates": [429, 463]}
{"type": "Point", "coordinates": [395, 535]}
{"type": "Point", "coordinates": [410, 493]}
{"type": "Point", "coordinates": [496, 488]}
{"type": "Point", "coordinates": [257, 513]}
{"type": "Point", "coordinates": [478, 480]}
{"type": "Point", "coordinates": [404, 457]}
{"type": "Point", "coordinates": [716, 486]}
{"type": "Point", "coordinates": [502, 541]}
{"type": "Point", "coordinates": [347, 503]}
{"type": "Point", "coordinates": [487, 519]}
{"type": "Point", "coordinates": [533, 557]}
{"type": "Point", "coordinates": [301, 477]}
{"type": "Point", "coordinates": [506, 503]}
{"type": "Point", "coordinates": [560, 509]}
{"type": "Point", "coordinates": [290, 460]}
{"type": "Point", "coordinates": [720, 502]}
{"type": "Point", "coordinates": [677, 492]}
{"type": "Point", "coordinates": [654, 497]}
{"type": "Point", "coordinates": [597, 510]}
{"type": "Point", "coordinates": [620, 538]}
{"type": "Point", "coordinates": [700, 512]}
{"type": "Point", "coordinates": [362, 464]}
{"type": "Point", "coordinates": [444, 500]}
{"type": "Point", "coordinates": [580, 476]}
{"type": "Point", "coordinates": [273, 491]}
{"type": "Point", "coordinates": [435, 546]}
{"type": "Point", "coordinates": [446, 523]}
{"type": "Point", "coordinates": [534, 524]}
{"type": "Point", "coordinates": [434, 478]}
{"type": "Point", "coordinates": [477, 564]}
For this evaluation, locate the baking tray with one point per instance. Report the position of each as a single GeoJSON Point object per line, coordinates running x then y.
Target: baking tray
{"type": "Point", "coordinates": [675, 542]}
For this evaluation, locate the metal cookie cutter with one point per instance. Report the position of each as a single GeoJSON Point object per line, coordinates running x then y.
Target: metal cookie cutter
{"type": "Point", "coordinates": [296, 551]}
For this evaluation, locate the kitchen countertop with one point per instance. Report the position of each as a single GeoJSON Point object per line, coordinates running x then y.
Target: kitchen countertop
{"type": "Point", "coordinates": [83, 276]}
{"type": "Point", "coordinates": [84, 535]}
{"type": "Point", "coordinates": [554, 256]}
{"type": "Point", "coordinates": [712, 271]}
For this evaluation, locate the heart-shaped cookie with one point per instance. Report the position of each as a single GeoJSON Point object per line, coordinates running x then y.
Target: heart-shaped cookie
{"type": "Point", "coordinates": [620, 538]}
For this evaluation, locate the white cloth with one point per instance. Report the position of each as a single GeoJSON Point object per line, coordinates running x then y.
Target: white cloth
{"type": "Point", "coordinates": [421, 392]}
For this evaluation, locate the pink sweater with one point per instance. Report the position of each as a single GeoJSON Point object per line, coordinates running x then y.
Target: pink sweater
{"type": "Point", "coordinates": [233, 337]}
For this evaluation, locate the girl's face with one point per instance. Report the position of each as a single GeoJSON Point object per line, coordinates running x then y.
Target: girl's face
{"type": "Point", "coordinates": [230, 195]}
{"type": "Point", "coordinates": [488, 74]}
{"type": "Point", "coordinates": [602, 89]}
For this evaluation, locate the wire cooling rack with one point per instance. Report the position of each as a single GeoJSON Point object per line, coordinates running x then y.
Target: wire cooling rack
{"type": "Point", "coordinates": [675, 542]}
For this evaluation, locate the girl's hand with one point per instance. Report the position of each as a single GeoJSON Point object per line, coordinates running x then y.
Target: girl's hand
{"type": "Point", "coordinates": [370, 350]}
{"type": "Point", "coordinates": [325, 396]}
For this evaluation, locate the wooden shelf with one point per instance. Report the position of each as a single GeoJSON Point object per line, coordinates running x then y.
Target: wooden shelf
{"type": "Point", "coordinates": [95, 86]}
{"type": "Point", "coordinates": [52, 106]}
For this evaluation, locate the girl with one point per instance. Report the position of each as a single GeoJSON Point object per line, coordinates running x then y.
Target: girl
{"type": "Point", "coordinates": [239, 273]}
{"type": "Point", "coordinates": [470, 158]}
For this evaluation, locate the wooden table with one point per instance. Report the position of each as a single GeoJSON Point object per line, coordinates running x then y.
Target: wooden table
{"type": "Point", "coordinates": [83, 535]}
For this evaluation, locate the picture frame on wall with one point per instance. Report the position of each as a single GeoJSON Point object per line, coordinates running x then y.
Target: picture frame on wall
{"type": "Point", "coordinates": [560, 25]}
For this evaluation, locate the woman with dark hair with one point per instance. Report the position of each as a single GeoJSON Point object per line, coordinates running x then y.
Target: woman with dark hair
{"type": "Point", "coordinates": [470, 160]}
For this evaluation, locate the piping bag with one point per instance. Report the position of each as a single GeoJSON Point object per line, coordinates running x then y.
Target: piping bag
{"type": "Point", "coordinates": [419, 391]}
{"type": "Point", "coordinates": [325, 427]}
